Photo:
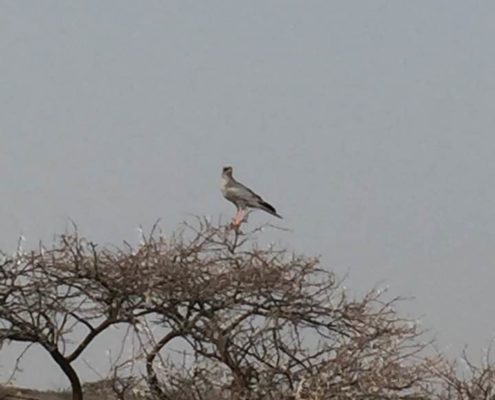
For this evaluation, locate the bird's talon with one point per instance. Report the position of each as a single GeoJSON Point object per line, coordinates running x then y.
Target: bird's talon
{"type": "Point", "coordinates": [234, 224]}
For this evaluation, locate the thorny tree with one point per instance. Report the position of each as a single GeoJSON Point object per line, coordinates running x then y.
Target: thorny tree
{"type": "Point", "coordinates": [264, 324]}
{"type": "Point", "coordinates": [477, 382]}
{"type": "Point", "coordinates": [48, 295]}
{"type": "Point", "coordinates": [254, 322]}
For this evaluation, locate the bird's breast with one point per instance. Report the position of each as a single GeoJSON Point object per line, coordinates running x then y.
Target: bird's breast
{"type": "Point", "coordinates": [224, 186]}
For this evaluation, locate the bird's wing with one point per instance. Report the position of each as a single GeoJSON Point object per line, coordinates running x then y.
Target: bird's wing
{"type": "Point", "coordinates": [241, 196]}
{"type": "Point", "coordinates": [244, 193]}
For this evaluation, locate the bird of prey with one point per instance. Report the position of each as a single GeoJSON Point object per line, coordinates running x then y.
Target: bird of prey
{"type": "Point", "coordinates": [242, 197]}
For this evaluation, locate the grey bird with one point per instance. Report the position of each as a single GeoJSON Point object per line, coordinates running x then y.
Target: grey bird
{"type": "Point", "coordinates": [242, 197]}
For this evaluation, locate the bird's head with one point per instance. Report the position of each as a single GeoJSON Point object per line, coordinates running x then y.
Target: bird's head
{"type": "Point", "coordinates": [227, 171]}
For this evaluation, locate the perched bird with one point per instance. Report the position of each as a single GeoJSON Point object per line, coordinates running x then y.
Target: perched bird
{"type": "Point", "coordinates": [242, 197]}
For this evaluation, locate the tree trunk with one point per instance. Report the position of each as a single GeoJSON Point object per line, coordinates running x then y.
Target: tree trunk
{"type": "Point", "coordinates": [71, 374]}
{"type": "Point", "coordinates": [152, 379]}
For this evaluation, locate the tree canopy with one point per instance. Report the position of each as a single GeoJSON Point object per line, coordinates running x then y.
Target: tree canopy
{"type": "Point", "coordinates": [258, 322]}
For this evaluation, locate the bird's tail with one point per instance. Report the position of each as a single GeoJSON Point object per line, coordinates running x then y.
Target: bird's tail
{"type": "Point", "coordinates": [269, 209]}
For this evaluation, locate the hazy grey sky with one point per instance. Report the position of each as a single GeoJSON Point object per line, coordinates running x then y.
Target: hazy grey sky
{"type": "Point", "coordinates": [368, 124]}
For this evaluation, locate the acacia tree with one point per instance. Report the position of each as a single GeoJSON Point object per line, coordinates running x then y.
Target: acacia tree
{"type": "Point", "coordinates": [254, 322]}
{"type": "Point", "coordinates": [49, 294]}
{"type": "Point", "coordinates": [475, 382]}
{"type": "Point", "coordinates": [263, 323]}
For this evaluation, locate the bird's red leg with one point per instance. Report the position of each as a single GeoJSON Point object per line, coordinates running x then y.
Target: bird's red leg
{"type": "Point", "coordinates": [242, 215]}
{"type": "Point", "coordinates": [234, 222]}
{"type": "Point", "coordinates": [238, 219]}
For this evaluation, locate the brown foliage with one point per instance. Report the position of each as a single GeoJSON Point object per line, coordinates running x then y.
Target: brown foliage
{"type": "Point", "coordinates": [477, 382]}
{"type": "Point", "coordinates": [256, 322]}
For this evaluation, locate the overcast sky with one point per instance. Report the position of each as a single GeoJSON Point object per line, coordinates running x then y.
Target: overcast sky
{"type": "Point", "coordinates": [368, 124]}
